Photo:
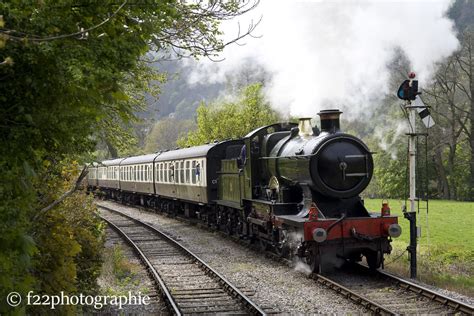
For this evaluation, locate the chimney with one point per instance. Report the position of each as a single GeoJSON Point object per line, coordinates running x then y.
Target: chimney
{"type": "Point", "coordinates": [305, 128]}
{"type": "Point", "coordinates": [330, 120]}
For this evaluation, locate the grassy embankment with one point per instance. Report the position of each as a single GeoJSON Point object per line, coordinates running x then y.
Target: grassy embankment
{"type": "Point", "coordinates": [446, 246]}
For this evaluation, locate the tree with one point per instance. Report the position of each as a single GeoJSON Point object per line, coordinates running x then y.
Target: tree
{"type": "Point", "coordinates": [231, 119]}
{"type": "Point", "coordinates": [450, 97]}
{"type": "Point", "coordinates": [72, 73]}
{"type": "Point", "coordinates": [465, 59]}
{"type": "Point", "coordinates": [165, 134]}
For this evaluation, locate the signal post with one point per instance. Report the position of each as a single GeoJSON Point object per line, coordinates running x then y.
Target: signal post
{"type": "Point", "coordinates": [408, 91]}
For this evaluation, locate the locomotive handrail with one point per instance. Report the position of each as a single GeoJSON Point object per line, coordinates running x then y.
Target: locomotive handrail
{"type": "Point", "coordinates": [288, 157]}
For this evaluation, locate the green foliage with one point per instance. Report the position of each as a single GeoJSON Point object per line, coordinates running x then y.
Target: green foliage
{"type": "Point", "coordinates": [390, 163]}
{"type": "Point", "coordinates": [165, 134]}
{"type": "Point", "coordinates": [69, 240]}
{"type": "Point", "coordinates": [231, 119]}
{"type": "Point", "coordinates": [60, 93]}
{"type": "Point", "coordinates": [122, 268]}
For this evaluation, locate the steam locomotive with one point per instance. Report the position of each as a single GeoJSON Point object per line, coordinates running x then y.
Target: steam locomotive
{"type": "Point", "coordinates": [287, 187]}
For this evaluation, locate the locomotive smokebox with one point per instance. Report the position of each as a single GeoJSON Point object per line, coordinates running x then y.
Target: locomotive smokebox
{"type": "Point", "coordinates": [330, 120]}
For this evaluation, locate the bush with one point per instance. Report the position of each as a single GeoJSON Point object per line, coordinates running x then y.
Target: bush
{"type": "Point", "coordinates": [69, 241]}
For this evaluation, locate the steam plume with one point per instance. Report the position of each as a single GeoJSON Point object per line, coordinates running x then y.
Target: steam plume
{"type": "Point", "coordinates": [335, 53]}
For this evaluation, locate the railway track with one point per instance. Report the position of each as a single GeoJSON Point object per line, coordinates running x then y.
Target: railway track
{"type": "Point", "coordinates": [188, 285]}
{"type": "Point", "coordinates": [387, 294]}
{"type": "Point", "coordinates": [382, 293]}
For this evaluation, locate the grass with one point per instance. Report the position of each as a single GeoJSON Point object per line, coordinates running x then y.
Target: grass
{"type": "Point", "coordinates": [446, 245]}
{"type": "Point", "coordinates": [119, 274]}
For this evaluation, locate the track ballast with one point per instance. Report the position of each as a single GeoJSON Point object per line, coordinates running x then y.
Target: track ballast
{"type": "Point", "coordinates": [187, 284]}
{"type": "Point", "coordinates": [387, 294]}
{"type": "Point", "coordinates": [382, 293]}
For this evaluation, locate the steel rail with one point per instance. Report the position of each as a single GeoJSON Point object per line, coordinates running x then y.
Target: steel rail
{"type": "Point", "coordinates": [376, 308]}
{"type": "Point", "coordinates": [251, 307]}
{"type": "Point", "coordinates": [149, 266]}
{"type": "Point", "coordinates": [353, 296]}
{"type": "Point", "coordinates": [457, 305]}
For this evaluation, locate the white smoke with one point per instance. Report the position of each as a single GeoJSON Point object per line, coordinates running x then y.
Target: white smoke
{"type": "Point", "coordinates": [395, 129]}
{"type": "Point", "coordinates": [335, 53]}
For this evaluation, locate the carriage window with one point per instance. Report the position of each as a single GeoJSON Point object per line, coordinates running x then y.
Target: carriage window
{"type": "Point", "coordinates": [193, 172]}
{"type": "Point", "coordinates": [181, 172]}
{"type": "Point", "coordinates": [187, 171]}
{"type": "Point", "coordinates": [177, 170]}
{"type": "Point", "coordinates": [198, 170]}
{"type": "Point", "coordinates": [165, 172]}
{"type": "Point", "coordinates": [146, 173]}
{"type": "Point", "coordinates": [171, 172]}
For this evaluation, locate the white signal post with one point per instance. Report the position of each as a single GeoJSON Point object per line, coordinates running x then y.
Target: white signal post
{"type": "Point", "coordinates": [412, 155]}
{"type": "Point", "coordinates": [411, 215]}
{"type": "Point", "coordinates": [408, 91]}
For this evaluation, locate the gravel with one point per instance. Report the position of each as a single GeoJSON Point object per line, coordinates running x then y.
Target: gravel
{"type": "Point", "coordinates": [276, 285]}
